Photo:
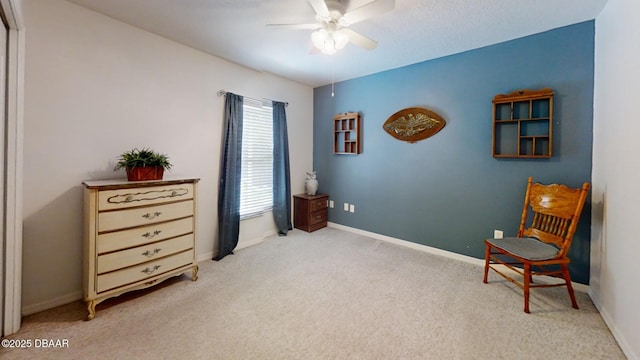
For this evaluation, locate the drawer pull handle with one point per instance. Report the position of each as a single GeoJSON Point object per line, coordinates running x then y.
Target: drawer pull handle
{"type": "Point", "coordinates": [149, 235]}
{"type": "Point", "coordinates": [129, 198]}
{"type": "Point", "coordinates": [149, 216]}
{"type": "Point", "coordinates": [149, 271]}
{"type": "Point", "coordinates": [150, 253]}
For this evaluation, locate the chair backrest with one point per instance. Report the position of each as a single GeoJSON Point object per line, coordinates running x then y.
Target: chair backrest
{"type": "Point", "coordinates": [554, 211]}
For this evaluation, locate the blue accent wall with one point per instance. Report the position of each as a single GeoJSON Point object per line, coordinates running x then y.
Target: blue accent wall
{"type": "Point", "coordinates": [447, 191]}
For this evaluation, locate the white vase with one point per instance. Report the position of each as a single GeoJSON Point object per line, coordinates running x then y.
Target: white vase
{"type": "Point", "coordinates": [311, 186]}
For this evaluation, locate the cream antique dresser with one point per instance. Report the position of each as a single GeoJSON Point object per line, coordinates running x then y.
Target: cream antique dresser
{"type": "Point", "coordinates": [136, 234]}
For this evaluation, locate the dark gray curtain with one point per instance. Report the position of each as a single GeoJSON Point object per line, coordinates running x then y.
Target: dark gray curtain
{"type": "Point", "coordinates": [281, 178]}
{"type": "Point", "coordinates": [230, 173]}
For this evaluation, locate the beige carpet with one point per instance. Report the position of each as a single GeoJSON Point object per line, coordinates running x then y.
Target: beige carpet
{"type": "Point", "coordinates": [327, 295]}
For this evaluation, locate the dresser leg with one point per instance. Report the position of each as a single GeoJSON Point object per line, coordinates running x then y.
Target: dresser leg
{"type": "Point", "coordinates": [91, 308]}
{"type": "Point", "coordinates": [194, 273]}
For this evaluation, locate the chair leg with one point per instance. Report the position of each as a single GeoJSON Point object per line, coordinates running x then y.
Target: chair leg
{"type": "Point", "coordinates": [567, 279]}
{"type": "Point", "coordinates": [487, 255]}
{"type": "Point", "coordinates": [527, 281]}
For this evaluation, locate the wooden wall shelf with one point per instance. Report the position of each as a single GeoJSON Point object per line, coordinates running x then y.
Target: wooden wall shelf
{"type": "Point", "coordinates": [522, 124]}
{"type": "Point", "coordinates": [346, 133]}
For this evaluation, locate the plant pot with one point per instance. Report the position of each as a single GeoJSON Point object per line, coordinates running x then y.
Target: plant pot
{"type": "Point", "coordinates": [145, 173]}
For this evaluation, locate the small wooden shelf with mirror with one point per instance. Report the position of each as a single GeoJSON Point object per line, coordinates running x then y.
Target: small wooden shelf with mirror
{"type": "Point", "coordinates": [346, 133]}
{"type": "Point", "coordinates": [522, 124]}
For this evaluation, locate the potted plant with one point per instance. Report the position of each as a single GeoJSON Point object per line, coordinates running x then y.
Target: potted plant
{"type": "Point", "coordinates": [144, 164]}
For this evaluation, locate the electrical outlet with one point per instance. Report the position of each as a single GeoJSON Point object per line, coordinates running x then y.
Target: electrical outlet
{"type": "Point", "coordinates": [497, 234]}
{"type": "Point", "coordinates": [346, 207]}
{"type": "Point", "coordinates": [331, 204]}
{"type": "Point", "coordinates": [352, 208]}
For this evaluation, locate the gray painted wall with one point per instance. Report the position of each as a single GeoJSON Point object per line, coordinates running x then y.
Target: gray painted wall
{"type": "Point", "coordinates": [447, 191]}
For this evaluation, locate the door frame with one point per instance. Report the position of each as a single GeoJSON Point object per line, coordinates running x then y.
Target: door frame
{"type": "Point", "coordinates": [12, 236]}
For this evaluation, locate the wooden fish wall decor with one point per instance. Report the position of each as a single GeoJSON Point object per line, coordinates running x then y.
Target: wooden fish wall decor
{"type": "Point", "coordinates": [413, 124]}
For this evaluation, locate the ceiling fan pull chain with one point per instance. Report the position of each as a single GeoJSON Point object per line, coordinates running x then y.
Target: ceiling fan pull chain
{"type": "Point", "coordinates": [332, 84]}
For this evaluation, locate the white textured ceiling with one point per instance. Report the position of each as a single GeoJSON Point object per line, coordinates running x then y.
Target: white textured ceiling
{"type": "Point", "coordinates": [416, 30]}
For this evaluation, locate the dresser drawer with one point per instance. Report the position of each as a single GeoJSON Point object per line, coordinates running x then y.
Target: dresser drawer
{"type": "Point", "coordinates": [121, 259]}
{"type": "Point", "coordinates": [143, 271]}
{"type": "Point", "coordinates": [122, 219]}
{"type": "Point", "coordinates": [143, 235]}
{"type": "Point", "coordinates": [125, 198]}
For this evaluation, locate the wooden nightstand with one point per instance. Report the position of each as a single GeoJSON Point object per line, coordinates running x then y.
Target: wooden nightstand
{"type": "Point", "coordinates": [310, 211]}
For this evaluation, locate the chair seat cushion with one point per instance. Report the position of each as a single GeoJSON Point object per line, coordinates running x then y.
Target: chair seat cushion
{"type": "Point", "coordinates": [526, 248]}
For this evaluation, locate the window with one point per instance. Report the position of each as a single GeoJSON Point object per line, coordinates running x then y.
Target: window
{"type": "Point", "coordinates": [256, 195]}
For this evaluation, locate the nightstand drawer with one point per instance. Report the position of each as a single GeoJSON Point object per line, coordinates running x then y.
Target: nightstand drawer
{"type": "Point", "coordinates": [318, 204]}
{"type": "Point", "coordinates": [122, 219]}
{"type": "Point", "coordinates": [118, 240]}
{"type": "Point", "coordinates": [317, 226]}
{"type": "Point", "coordinates": [317, 217]}
{"type": "Point", "coordinates": [126, 198]}
{"type": "Point", "coordinates": [143, 271]}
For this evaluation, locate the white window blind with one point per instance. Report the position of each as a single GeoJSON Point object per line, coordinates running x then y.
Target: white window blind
{"type": "Point", "coordinates": [256, 195]}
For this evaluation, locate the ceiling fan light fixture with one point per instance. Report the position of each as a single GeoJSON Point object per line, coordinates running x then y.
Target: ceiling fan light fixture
{"type": "Point", "coordinates": [329, 49]}
{"type": "Point", "coordinates": [329, 41]}
{"type": "Point", "coordinates": [341, 39]}
{"type": "Point", "coordinates": [318, 38]}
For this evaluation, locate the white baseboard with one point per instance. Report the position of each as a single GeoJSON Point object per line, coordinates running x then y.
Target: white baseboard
{"type": "Point", "coordinates": [622, 341]}
{"type": "Point", "coordinates": [250, 242]}
{"type": "Point", "coordinates": [49, 304]}
{"type": "Point", "coordinates": [206, 256]}
{"type": "Point", "coordinates": [440, 252]}
{"type": "Point", "coordinates": [245, 243]}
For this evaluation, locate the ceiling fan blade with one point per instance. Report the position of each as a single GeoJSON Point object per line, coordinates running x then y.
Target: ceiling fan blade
{"type": "Point", "coordinates": [360, 40]}
{"type": "Point", "coordinates": [295, 26]}
{"type": "Point", "coordinates": [367, 11]}
{"type": "Point", "coordinates": [320, 7]}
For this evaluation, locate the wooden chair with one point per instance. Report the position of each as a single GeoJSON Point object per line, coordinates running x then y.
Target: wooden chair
{"type": "Point", "coordinates": [553, 212]}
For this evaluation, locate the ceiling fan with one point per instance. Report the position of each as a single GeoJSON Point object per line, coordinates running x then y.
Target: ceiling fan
{"type": "Point", "coordinates": [331, 30]}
